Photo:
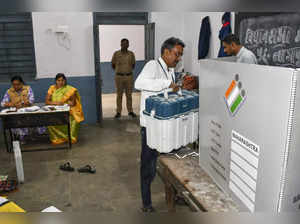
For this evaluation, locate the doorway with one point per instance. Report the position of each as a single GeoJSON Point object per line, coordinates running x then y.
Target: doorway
{"type": "Point", "coordinates": [104, 80]}
{"type": "Point", "coordinates": [109, 42]}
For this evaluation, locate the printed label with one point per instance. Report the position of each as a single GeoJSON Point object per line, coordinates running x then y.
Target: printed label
{"type": "Point", "coordinates": [244, 160]}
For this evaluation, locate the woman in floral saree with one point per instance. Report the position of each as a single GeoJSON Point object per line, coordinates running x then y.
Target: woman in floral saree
{"type": "Point", "coordinates": [60, 94]}
{"type": "Point", "coordinates": [20, 96]}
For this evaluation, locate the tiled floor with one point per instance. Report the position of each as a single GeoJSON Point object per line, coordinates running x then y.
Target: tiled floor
{"type": "Point", "coordinates": [109, 104]}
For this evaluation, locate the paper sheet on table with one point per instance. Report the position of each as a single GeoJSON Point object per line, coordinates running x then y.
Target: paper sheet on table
{"type": "Point", "coordinates": [3, 200]}
{"type": "Point", "coordinates": [29, 109]}
{"type": "Point", "coordinates": [11, 109]}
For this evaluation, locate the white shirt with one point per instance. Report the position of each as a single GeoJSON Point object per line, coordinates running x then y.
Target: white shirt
{"type": "Point", "coordinates": [153, 80]}
{"type": "Point", "coordinates": [246, 56]}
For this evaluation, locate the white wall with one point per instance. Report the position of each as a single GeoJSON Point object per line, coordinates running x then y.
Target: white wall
{"type": "Point", "coordinates": [111, 35]}
{"type": "Point", "coordinates": [192, 24]}
{"type": "Point", "coordinates": [72, 54]}
{"type": "Point", "coordinates": [167, 24]}
{"type": "Point", "coordinates": [186, 26]}
{"type": "Point", "coordinates": [75, 57]}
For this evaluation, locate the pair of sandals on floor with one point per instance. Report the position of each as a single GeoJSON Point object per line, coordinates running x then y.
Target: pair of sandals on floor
{"type": "Point", "coordinates": [85, 169]}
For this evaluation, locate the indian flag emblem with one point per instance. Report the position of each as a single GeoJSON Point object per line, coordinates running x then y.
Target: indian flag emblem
{"type": "Point", "coordinates": [234, 95]}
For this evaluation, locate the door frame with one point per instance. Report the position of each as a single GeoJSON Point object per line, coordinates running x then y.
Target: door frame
{"type": "Point", "coordinates": [110, 18]}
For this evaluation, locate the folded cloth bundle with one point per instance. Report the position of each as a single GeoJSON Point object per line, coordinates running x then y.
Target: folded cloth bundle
{"type": "Point", "coordinates": [8, 185]}
{"type": "Point", "coordinates": [3, 177]}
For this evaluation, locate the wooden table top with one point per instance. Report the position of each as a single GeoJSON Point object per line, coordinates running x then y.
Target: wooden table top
{"type": "Point", "coordinates": [198, 183]}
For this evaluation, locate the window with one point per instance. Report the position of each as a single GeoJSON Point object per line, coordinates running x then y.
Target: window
{"type": "Point", "coordinates": [16, 46]}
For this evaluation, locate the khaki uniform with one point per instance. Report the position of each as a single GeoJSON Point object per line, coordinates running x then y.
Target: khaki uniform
{"type": "Point", "coordinates": [124, 77]}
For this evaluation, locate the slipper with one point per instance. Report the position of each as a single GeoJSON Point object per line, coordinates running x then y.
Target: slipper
{"type": "Point", "coordinates": [66, 167]}
{"type": "Point", "coordinates": [86, 169]}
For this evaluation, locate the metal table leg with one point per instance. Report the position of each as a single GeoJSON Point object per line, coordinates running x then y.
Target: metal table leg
{"type": "Point", "coordinates": [5, 140]}
{"type": "Point", "coordinates": [69, 135]}
{"type": "Point", "coordinates": [11, 141]}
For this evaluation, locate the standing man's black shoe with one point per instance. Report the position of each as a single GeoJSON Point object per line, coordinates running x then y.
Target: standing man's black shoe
{"type": "Point", "coordinates": [118, 115]}
{"type": "Point", "coordinates": [150, 210]}
{"type": "Point", "coordinates": [133, 115]}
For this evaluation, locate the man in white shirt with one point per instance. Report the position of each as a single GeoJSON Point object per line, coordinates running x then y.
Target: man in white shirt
{"type": "Point", "coordinates": [232, 46]}
{"type": "Point", "coordinates": [156, 76]}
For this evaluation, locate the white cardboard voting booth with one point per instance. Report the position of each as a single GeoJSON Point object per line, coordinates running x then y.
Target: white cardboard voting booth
{"type": "Point", "coordinates": [249, 133]}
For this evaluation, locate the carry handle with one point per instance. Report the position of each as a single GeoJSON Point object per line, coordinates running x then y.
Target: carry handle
{"type": "Point", "coordinates": [166, 92]}
{"type": "Point", "coordinates": [179, 92]}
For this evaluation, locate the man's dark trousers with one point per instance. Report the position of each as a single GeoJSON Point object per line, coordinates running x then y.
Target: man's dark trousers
{"type": "Point", "coordinates": [148, 169]}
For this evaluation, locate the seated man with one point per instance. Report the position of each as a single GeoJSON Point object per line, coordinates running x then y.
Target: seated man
{"type": "Point", "coordinates": [19, 96]}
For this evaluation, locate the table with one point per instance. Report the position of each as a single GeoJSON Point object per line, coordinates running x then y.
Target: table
{"type": "Point", "coordinates": [186, 178]}
{"type": "Point", "coordinates": [34, 119]}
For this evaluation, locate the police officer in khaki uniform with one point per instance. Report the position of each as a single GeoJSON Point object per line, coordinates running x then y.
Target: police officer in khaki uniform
{"type": "Point", "coordinates": [123, 62]}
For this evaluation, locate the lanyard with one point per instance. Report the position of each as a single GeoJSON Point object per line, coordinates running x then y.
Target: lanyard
{"type": "Point", "coordinates": [165, 71]}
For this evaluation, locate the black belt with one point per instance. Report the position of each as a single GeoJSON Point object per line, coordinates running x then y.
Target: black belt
{"type": "Point", "coordinates": [124, 74]}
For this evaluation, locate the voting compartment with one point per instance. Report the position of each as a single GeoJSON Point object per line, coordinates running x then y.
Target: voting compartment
{"type": "Point", "coordinates": [249, 133]}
